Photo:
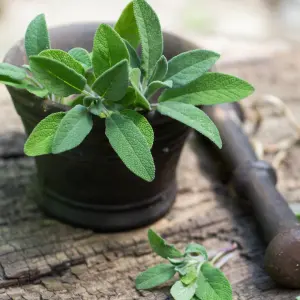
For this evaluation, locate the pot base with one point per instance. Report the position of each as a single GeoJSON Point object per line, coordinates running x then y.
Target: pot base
{"type": "Point", "coordinates": [101, 219]}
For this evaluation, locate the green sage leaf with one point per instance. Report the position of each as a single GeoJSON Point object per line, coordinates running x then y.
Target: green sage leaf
{"type": "Point", "coordinates": [188, 66]}
{"type": "Point", "coordinates": [182, 269]}
{"type": "Point", "coordinates": [56, 77]}
{"type": "Point", "coordinates": [82, 56]}
{"type": "Point", "coordinates": [135, 61]}
{"type": "Point", "coordinates": [88, 100]}
{"type": "Point", "coordinates": [212, 284]}
{"type": "Point", "coordinates": [130, 145]}
{"type": "Point", "coordinates": [154, 276]}
{"type": "Point", "coordinates": [16, 77]}
{"type": "Point", "coordinates": [18, 85]}
{"type": "Point", "coordinates": [108, 49]}
{"type": "Point", "coordinates": [193, 117]}
{"type": "Point", "coordinates": [26, 67]}
{"type": "Point", "coordinates": [97, 109]}
{"type": "Point", "coordinates": [11, 73]}
{"type": "Point", "coordinates": [126, 26]}
{"type": "Point", "coordinates": [113, 83]}
{"type": "Point", "coordinates": [129, 99]}
{"type": "Point", "coordinates": [161, 247]}
{"type": "Point", "coordinates": [150, 35]}
{"type": "Point", "coordinates": [90, 77]}
{"type": "Point", "coordinates": [156, 85]}
{"type": "Point", "coordinates": [161, 69]}
{"type": "Point", "coordinates": [190, 277]}
{"type": "Point", "coordinates": [37, 37]}
{"type": "Point", "coordinates": [176, 261]}
{"type": "Point", "coordinates": [72, 130]}
{"type": "Point", "coordinates": [196, 249]}
{"type": "Point", "coordinates": [77, 100]}
{"type": "Point", "coordinates": [140, 100]}
{"type": "Point", "coordinates": [64, 58]}
{"type": "Point", "coordinates": [179, 291]}
{"type": "Point", "coordinates": [39, 92]}
{"type": "Point", "coordinates": [41, 138]}
{"type": "Point", "coordinates": [142, 123]}
{"type": "Point", "coordinates": [94, 105]}
{"type": "Point", "coordinates": [211, 88]}
{"type": "Point", "coordinates": [135, 78]}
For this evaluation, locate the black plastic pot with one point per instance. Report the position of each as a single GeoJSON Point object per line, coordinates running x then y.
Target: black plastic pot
{"type": "Point", "coordinates": [89, 186]}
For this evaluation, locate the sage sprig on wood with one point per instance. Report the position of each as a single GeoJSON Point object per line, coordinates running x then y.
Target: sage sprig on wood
{"type": "Point", "coordinates": [199, 279]}
{"type": "Point", "coordinates": [117, 84]}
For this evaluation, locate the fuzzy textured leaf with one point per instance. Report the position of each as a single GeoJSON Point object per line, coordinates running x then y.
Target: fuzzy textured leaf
{"type": "Point", "coordinates": [154, 276]}
{"type": "Point", "coordinates": [24, 84]}
{"type": "Point", "coordinates": [193, 117]}
{"type": "Point", "coordinates": [161, 247]}
{"type": "Point", "coordinates": [156, 85]}
{"type": "Point", "coordinates": [212, 284]}
{"type": "Point", "coordinates": [150, 35]}
{"type": "Point", "coordinates": [82, 56]}
{"type": "Point", "coordinates": [142, 123]}
{"type": "Point", "coordinates": [95, 106]}
{"type": "Point", "coordinates": [196, 249]}
{"type": "Point", "coordinates": [77, 100]}
{"type": "Point", "coordinates": [72, 130]}
{"type": "Point", "coordinates": [129, 99]}
{"type": "Point", "coordinates": [90, 77]}
{"type": "Point", "coordinates": [39, 92]}
{"type": "Point", "coordinates": [64, 58]}
{"type": "Point", "coordinates": [188, 66]}
{"type": "Point", "coordinates": [126, 26]}
{"type": "Point", "coordinates": [211, 88]}
{"type": "Point", "coordinates": [109, 49]}
{"type": "Point", "coordinates": [18, 85]}
{"type": "Point", "coordinates": [135, 77]}
{"type": "Point", "coordinates": [182, 269]}
{"type": "Point", "coordinates": [56, 77]}
{"type": "Point", "coordinates": [130, 145]}
{"type": "Point", "coordinates": [37, 37]}
{"type": "Point", "coordinates": [113, 83]}
{"type": "Point", "coordinates": [11, 73]}
{"type": "Point", "coordinates": [135, 61]}
{"type": "Point", "coordinates": [161, 69]}
{"type": "Point", "coordinates": [41, 138]}
{"type": "Point", "coordinates": [179, 291]}
{"type": "Point", "coordinates": [140, 100]}
{"type": "Point", "coordinates": [190, 277]}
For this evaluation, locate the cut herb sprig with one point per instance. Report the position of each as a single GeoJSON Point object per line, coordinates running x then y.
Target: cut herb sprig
{"type": "Point", "coordinates": [116, 84]}
{"type": "Point", "coordinates": [198, 277]}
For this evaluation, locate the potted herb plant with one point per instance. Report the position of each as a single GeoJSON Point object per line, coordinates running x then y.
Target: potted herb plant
{"type": "Point", "coordinates": [106, 125]}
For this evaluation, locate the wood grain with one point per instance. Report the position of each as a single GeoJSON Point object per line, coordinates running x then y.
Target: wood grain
{"type": "Point", "coordinates": [41, 258]}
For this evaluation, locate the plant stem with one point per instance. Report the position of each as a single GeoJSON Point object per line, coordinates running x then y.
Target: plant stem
{"type": "Point", "coordinates": [53, 98]}
{"type": "Point", "coordinates": [223, 252]}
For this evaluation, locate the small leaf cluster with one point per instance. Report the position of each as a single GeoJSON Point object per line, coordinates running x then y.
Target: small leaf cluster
{"type": "Point", "coordinates": [115, 83]}
{"type": "Point", "coordinates": [198, 278]}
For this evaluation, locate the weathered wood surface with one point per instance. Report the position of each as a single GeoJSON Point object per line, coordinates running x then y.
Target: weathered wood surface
{"type": "Point", "coordinates": [41, 258]}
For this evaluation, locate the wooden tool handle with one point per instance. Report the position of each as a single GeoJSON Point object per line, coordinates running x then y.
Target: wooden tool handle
{"type": "Point", "coordinates": [255, 180]}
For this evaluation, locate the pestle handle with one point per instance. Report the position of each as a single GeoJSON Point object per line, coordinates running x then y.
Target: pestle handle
{"type": "Point", "coordinates": [255, 180]}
